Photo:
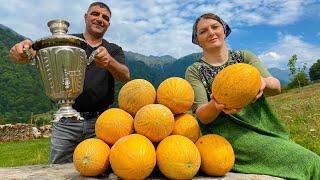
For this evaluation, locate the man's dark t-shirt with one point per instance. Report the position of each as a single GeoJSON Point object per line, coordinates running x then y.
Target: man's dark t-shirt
{"type": "Point", "coordinates": [98, 90]}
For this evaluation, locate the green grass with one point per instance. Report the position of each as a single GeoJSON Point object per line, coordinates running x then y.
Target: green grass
{"type": "Point", "coordinates": [18, 153]}
{"type": "Point", "coordinates": [299, 110]}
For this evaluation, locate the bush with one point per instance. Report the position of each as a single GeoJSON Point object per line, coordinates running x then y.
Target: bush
{"type": "Point", "coordinates": [314, 71]}
{"type": "Point", "coordinates": [299, 80]}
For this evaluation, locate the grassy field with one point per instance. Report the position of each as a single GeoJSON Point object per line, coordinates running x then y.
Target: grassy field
{"type": "Point", "coordinates": [24, 152]}
{"type": "Point", "coordinates": [298, 109]}
{"type": "Point", "coordinates": [300, 112]}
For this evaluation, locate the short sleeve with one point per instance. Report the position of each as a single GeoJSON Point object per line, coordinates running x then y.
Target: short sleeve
{"type": "Point", "coordinates": [118, 54]}
{"type": "Point", "coordinates": [193, 77]}
{"type": "Point", "coordinates": [252, 59]}
{"type": "Point", "coordinates": [115, 51]}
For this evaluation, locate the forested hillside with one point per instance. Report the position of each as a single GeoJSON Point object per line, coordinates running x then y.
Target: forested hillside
{"type": "Point", "coordinates": [21, 89]}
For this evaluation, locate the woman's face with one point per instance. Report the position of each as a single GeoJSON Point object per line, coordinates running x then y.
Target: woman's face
{"type": "Point", "coordinates": [210, 33]}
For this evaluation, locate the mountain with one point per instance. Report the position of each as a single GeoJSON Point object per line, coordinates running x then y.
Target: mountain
{"type": "Point", "coordinates": [8, 37]}
{"type": "Point", "coordinates": [282, 75]}
{"type": "Point", "coordinates": [22, 91]}
{"type": "Point", "coordinates": [149, 60]}
{"type": "Point", "coordinates": [178, 67]}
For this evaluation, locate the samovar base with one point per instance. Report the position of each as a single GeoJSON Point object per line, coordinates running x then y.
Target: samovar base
{"type": "Point", "coordinates": [66, 111]}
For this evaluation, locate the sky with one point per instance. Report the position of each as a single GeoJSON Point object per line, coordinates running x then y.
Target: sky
{"type": "Point", "coordinates": [272, 29]}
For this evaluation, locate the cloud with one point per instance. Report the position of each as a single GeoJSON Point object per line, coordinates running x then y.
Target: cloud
{"type": "Point", "coordinates": [286, 46]}
{"type": "Point", "coordinates": [149, 27]}
{"type": "Point", "coordinates": [272, 12]}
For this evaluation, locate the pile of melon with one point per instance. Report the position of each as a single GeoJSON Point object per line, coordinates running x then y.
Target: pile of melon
{"type": "Point", "coordinates": [153, 128]}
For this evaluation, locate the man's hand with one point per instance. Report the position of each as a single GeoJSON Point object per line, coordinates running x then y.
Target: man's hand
{"type": "Point", "coordinates": [102, 58]}
{"type": "Point", "coordinates": [17, 51]}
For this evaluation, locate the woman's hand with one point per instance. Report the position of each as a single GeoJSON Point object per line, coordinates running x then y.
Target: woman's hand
{"type": "Point", "coordinates": [221, 107]}
{"type": "Point", "coordinates": [262, 87]}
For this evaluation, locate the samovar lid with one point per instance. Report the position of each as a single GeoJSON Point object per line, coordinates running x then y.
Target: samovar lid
{"type": "Point", "coordinates": [59, 29]}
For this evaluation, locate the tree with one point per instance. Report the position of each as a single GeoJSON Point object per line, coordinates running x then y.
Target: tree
{"type": "Point", "coordinates": [299, 80]}
{"type": "Point", "coordinates": [299, 76]}
{"type": "Point", "coordinates": [314, 72]}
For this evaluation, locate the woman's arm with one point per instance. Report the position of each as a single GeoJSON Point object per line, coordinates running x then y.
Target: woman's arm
{"type": "Point", "coordinates": [273, 86]}
{"type": "Point", "coordinates": [270, 85]}
{"type": "Point", "coordinates": [209, 111]}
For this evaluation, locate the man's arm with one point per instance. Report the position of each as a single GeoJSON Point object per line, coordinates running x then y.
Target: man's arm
{"type": "Point", "coordinates": [119, 71]}
{"type": "Point", "coordinates": [17, 53]}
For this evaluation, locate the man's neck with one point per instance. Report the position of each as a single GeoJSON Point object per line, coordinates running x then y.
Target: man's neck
{"type": "Point", "coordinates": [91, 40]}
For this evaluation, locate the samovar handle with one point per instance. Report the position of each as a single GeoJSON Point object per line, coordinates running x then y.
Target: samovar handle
{"type": "Point", "coordinates": [92, 55]}
{"type": "Point", "coordinates": [28, 53]}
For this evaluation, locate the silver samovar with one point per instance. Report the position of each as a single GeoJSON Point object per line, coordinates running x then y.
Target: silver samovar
{"type": "Point", "coordinates": [61, 60]}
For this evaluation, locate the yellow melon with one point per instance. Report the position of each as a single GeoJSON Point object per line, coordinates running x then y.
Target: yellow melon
{"type": "Point", "coordinates": [133, 157]}
{"type": "Point", "coordinates": [136, 94]}
{"type": "Point", "coordinates": [113, 124]}
{"type": "Point", "coordinates": [91, 157]}
{"type": "Point", "coordinates": [236, 85]}
{"type": "Point", "coordinates": [178, 157]}
{"type": "Point", "coordinates": [155, 121]}
{"type": "Point", "coordinates": [217, 156]}
{"type": "Point", "coordinates": [176, 93]}
{"type": "Point", "coordinates": [186, 125]}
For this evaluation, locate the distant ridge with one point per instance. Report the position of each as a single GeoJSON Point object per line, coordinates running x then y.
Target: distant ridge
{"type": "Point", "coordinates": [149, 60]}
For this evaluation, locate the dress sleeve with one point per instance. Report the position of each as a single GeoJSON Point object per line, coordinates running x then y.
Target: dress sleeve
{"type": "Point", "coordinates": [252, 59]}
{"type": "Point", "coordinates": [193, 77]}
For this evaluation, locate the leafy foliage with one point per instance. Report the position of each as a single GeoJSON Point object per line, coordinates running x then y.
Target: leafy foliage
{"type": "Point", "coordinates": [314, 71]}
{"type": "Point", "coordinates": [300, 78]}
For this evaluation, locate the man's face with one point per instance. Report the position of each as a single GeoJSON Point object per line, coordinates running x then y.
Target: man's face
{"type": "Point", "coordinates": [97, 21]}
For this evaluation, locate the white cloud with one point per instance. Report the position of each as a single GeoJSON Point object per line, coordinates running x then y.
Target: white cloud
{"type": "Point", "coordinates": [273, 12]}
{"type": "Point", "coordinates": [150, 27]}
{"type": "Point", "coordinates": [286, 46]}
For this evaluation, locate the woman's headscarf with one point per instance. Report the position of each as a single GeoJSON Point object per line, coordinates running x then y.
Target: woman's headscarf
{"type": "Point", "coordinates": [226, 27]}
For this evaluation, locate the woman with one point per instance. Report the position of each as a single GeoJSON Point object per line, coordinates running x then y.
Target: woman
{"type": "Point", "coordinates": [260, 142]}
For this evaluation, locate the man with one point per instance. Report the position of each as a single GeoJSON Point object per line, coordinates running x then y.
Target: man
{"type": "Point", "coordinates": [98, 91]}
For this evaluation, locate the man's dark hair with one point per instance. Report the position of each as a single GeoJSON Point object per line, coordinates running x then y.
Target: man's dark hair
{"type": "Point", "coordinates": [100, 4]}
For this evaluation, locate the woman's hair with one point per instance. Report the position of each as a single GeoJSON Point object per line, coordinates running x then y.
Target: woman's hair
{"type": "Point", "coordinates": [100, 4]}
{"type": "Point", "coordinates": [226, 27]}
